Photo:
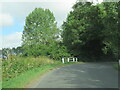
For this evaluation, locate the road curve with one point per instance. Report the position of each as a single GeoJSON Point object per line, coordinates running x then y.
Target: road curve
{"type": "Point", "coordinates": [88, 75]}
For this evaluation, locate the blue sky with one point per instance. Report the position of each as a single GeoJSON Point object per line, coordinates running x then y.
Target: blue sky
{"type": "Point", "coordinates": [16, 27]}
{"type": "Point", "coordinates": [14, 12]}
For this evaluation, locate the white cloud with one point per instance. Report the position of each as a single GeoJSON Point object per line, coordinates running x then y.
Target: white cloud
{"type": "Point", "coordinates": [0, 7]}
{"type": "Point", "coordinates": [12, 40]}
{"type": "Point", "coordinates": [6, 20]}
{"type": "Point", "coordinates": [20, 10]}
{"type": "Point", "coordinates": [36, 0]}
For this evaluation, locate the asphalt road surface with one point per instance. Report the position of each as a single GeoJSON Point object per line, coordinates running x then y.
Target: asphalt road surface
{"type": "Point", "coordinates": [88, 75]}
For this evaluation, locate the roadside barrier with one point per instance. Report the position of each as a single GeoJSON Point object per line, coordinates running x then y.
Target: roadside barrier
{"type": "Point", "coordinates": [69, 59]}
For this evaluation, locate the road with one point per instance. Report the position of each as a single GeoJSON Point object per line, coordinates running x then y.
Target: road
{"type": "Point", "coordinates": [88, 75]}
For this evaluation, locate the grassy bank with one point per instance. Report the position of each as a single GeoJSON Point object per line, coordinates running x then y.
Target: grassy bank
{"type": "Point", "coordinates": [26, 70]}
{"type": "Point", "coordinates": [116, 66]}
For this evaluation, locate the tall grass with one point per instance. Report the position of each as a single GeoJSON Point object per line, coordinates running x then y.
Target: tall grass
{"type": "Point", "coordinates": [117, 66]}
{"type": "Point", "coordinates": [17, 72]}
{"type": "Point", "coordinates": [14, 67]}
{"type": "Point", "coordinates": [25, 78]}
{"type": "Point", "coordinates": [0, 73]}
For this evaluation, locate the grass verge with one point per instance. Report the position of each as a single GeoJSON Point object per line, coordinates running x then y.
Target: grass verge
{"type": "Point", "coordinates": [29, 76]}
{"type": "Point", "coordinates": [116, 66]}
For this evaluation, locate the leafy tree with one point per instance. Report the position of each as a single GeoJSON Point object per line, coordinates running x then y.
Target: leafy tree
{"type": "Point", "coordinates": [17, 51]}
{"type": "Point", "coordinates": [81, 34]}
{"type": "Point", "coordinates": [6, 52]}
{"type": "Point", "coordinates": [40, 32]}
{"type": "Point", "coordinates": [111, 30]}
{"type": "Point", "coordinates": [57, 51]}
{"type": "Point", "coordinates": [92, 30]}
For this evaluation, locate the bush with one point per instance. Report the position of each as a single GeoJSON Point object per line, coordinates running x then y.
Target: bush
{"type": "Point", "coordinates": [117, 66]}
{"type": "Point", "coordinates": [14, 67]}
{"type": "Point", "coordinates": [58, 52]}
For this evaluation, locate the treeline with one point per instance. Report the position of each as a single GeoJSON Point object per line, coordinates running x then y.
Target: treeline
{"type": "Point", "coordinates": [90, 33]}
{"type": "Point", "coordinates": [7, 53]}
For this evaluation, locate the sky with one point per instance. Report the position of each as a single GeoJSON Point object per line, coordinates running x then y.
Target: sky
{"type": "Point", "coordinates": [14, 12]}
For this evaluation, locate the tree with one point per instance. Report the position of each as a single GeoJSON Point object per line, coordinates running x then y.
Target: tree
{"type": "Point", "coordinates": [40, 32]}
{"type": "Point", "coordinates": [92, 30]}
{"type": "Point", "coordinates": [6, 52]}
{"type": "Point", "coordinates": [57, 51]}
{"type": "Point", "coordinates": [17, 51]}
{"type": "Point", "coordinates": [111, 30]}
{"type": "Point", "coordinates": [81, 34]}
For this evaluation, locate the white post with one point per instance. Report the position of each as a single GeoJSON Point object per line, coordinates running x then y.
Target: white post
{"type": "Point", "coordinates": [76, 59]}
{"type": "Point", "coordinates": [73, 59]}
{"type": "Point", "coordinates": [68, 60]}
{"type": "Point", "coordinates": [62, 60]}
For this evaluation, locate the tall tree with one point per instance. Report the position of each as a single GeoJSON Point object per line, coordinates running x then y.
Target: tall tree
{"type": "Point", "coordinates": [40, 32]}
{"type": "Point", "coordinates": [6, 52]}
{"type": "Point", "coordinates": [92, 30]}
{"type": "Point", "coordinates": [111, 29]}
{"type": "Point", "coordinates": [82, 31]}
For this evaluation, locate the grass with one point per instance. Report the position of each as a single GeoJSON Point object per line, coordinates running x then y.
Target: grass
{"type": "Point", "coordinates": [25, 78]}
{"type": "Point", "coordinates": [116, 66]}
{"type": "Point", "coordinates": [0, 84]}
{"type": "Point", "coordinates": [14, 67]}
{"type": "Point", "coordinates": [0, 73]}
{"type": "Point", "coordinates": [22, 80]}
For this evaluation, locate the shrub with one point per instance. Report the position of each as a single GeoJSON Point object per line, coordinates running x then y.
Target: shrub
{"type": "Point", "coordinates": [14, 67]}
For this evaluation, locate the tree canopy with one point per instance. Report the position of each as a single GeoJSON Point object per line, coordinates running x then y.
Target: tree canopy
{"type": "Point", "coordinates": [111, 32]}
{"type": "Point", "coordinates": [40, 31]}
{"type": "Point", "coordinates": [90, 32]}
{"type": "Point", "coordinates": [89, 28]}
{"type": "Point", "coordinates": [41, 35]}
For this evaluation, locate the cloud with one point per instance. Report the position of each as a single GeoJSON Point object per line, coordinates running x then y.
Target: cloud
{"type": "Point", "coordinates": [36, 0]}
{"type": "Point", "coordinates": [6, 20]}
{"type": "Point", "coordinates": [20, 10]}
{"type": "Point", "coordinates": [54, 0]}
{"type": "Point", "coordinates": [13, 40]}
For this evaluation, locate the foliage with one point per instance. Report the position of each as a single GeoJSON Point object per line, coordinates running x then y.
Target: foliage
{"type": "Point", "coordinates": [17, 51]}
{"type": "Point", "coordinates": [16, 74]}
{"type": "Point", "coordinates": [18, 65]}
{"type": "Point", "coordinates": [91, 31]}
{"type": "Point", "coordinates": [26, 77]}
{"type": "Point", "coordinates": [116, 66]}
{"type": "Point", "coordinates": [81, 33]}
{"type": "Point", "coordinates": [41, 35]}
{"type": "Point", "coordinates": [111, 30]}
{"type": "Point", "coordinates": [57, 51]}
{"type": "Point", "coordinates": [5, 52]}
{"type": "Point", "coordinates": [8, 53]}
{"type": "Point", "coordinates": [40, 32]}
